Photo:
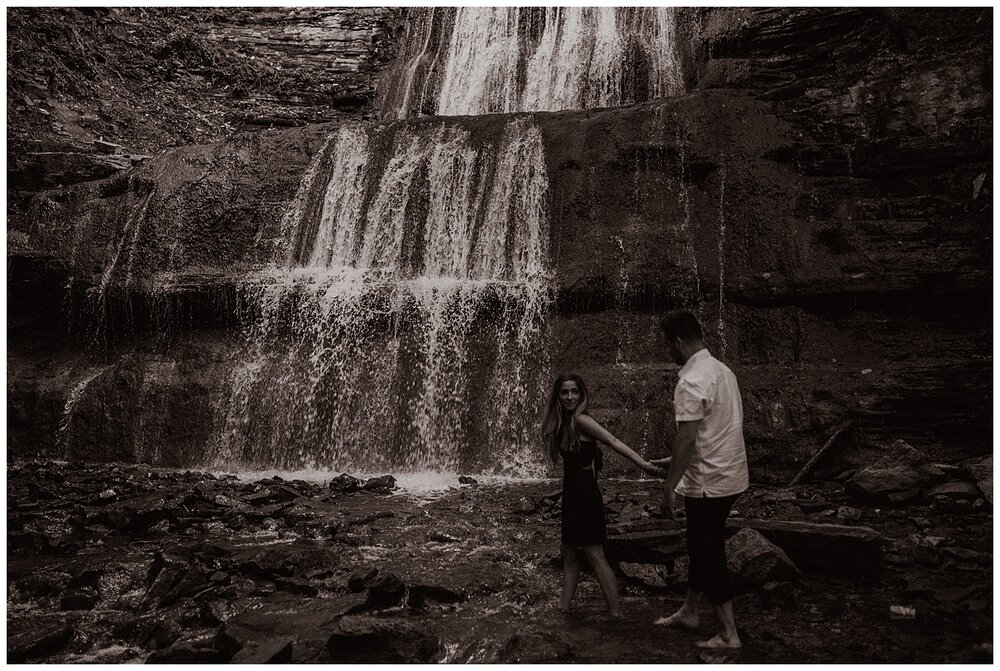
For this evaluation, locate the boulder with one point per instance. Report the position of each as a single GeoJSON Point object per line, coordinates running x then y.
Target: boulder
{"type": "Point", "coordinates": [380, 485]}
{"type": "Point", "coordinates": [296, 586]}
{"type": "Point", "coordinates": [967, 555]}
{"type": "Point", "coordinates": [384, 591]}
{"type": "Point", "coordinates": [345, 483]}
{"type": "Point", "coordinates": [370, 640]}
{"type": "Point", "coordinates": [40, 585]}
{"type": "Point", "coordinates": [896, 477]}
{"type": "Point", "coordinates": [271, 651]}
{"type": "Point", "coordinates": [982, 470]}
{"type": "Point", "coordinates": [193, 582]}
{"type": "Point", "coordinates": [164, 581]}
{"type": "Point", "coordinates": [271, 495]}
{"type": "Point", "coordinates": [651, 576]}
{"type": "Point", "coordinates": [81, 598]}
{"type": "Point", "coordinates": [753, 560]}
{"type": "Point", "coordinates": [848, 514]}
{"type": "Point", "coordinates": [956, 489]}
{"type": "Point", "coordinates": [38, 642]}
{"type": "Point", "coordinates": [136, 514]}
{"type": "Point", "coordinates": [187, 653]}
{"type": "Point", "coordinates": [158, 629]}
{"type": "Point", "coordinates": [419, 596]}
{"type": "Point", "coordinates": [830, 548]}
{"type": "Point", "coordinates": [895, 484]}
{"type": "Point", "coordinates": [212, 612]}
{"type": "Point", "coordinates": [268, 563]}
{"type": "Point", "coordinates": [360, 580]}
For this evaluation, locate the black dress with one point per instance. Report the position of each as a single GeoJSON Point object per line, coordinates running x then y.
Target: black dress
{"type": "Point", "coordinates": [583, 520]}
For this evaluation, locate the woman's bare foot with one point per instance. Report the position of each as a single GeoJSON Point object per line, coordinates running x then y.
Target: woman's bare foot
{"type": "Point", "coordinates": [718, 641]}
{"type": "Point", "coordinates": [679, 620]}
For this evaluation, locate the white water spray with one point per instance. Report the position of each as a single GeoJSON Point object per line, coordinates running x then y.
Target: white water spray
{"type": "Point", "coordinates": [509, 59]}
{"type": "Point", "coordinates": [405, 332]}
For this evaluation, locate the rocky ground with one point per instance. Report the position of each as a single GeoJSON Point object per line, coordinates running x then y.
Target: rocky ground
{"type": "Point", "coordinates": [127, 563]}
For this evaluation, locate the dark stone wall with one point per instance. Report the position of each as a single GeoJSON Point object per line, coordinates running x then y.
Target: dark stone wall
{"type": "Point", "coordinates": [148, 79]}
{"type": "Point", "coordinates": [821, 197]}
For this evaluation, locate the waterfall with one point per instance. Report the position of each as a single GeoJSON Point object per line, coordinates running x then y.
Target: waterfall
{"type": "Point", "coordinates": [130, 240]}
{"type": "Point", "coordinates": [65, 430]}
{"type": "Point", "coordinates": [509, 59]}
{"type": "Point", "coordinates": [685, 223]}
{"type": "Point", "coordinates": [722, 254]}
{"type": "Point", "coordinates": [402, 327]}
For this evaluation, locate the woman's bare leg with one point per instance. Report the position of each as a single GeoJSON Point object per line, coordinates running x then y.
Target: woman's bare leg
{"type": "Point", "coordinates": [571, 575]}
{"type": "Point", "coordinates": [605, 576]}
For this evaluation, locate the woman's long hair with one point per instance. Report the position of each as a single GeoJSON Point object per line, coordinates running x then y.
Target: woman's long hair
{"type": "Point", "coordinates": [559, 427]}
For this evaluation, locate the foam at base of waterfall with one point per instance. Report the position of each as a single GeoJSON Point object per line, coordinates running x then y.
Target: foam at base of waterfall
{"type": "Point", "coordinates": [412, 483]}
{"type": "Point", "coordinates": [319, 393]}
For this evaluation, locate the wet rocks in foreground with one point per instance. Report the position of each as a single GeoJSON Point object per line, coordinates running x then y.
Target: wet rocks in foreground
{"type": "Point", "coordinates": [291, 571]}
{"type": "Point", "coordinates": [364, 640]}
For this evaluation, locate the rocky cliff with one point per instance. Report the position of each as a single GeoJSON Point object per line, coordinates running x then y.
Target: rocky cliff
{"type": "Point", "coordinates": [146, 79]}
{"type": "Point", "coordinates": [821, 195]}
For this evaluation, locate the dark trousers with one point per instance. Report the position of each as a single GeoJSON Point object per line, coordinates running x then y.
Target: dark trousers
{"type": "Point", "coordinates": [706, 539]}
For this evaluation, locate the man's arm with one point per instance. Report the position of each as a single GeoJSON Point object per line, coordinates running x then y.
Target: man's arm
{"type": "Point", "coordinates": [684, 449]}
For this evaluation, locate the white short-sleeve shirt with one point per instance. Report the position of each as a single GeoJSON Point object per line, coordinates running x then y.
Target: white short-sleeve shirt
{"type": "Point", "coordinates": [707, 391]}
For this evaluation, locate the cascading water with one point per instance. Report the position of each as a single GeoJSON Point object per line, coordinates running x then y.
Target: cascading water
{"type": "Point", "coordinates": [402, 329]}
{"type": "Point", "coordinates": [66, 419]}
{"type": "Point", "coordinates": [484, 60]}
{"type": "Point", "coordinates": [722, 254]}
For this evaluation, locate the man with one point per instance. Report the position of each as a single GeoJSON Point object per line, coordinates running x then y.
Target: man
{"type": "Point", "coordinates": [708, 467]}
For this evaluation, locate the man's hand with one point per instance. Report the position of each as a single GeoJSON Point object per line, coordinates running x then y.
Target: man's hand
{"type": "Point", "coordinates": [652, 469]}
{"type": "Point", "coordinates": [668, 503]}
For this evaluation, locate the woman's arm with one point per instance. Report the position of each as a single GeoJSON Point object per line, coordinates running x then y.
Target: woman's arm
{"type": "Point", "coordinates": [590, 427]}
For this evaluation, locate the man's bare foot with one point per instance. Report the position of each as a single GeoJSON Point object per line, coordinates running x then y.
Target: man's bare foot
{"type": "Point", "coordinates": [718, 641]}
{"type": "Point", "coordinates": [679, 620]}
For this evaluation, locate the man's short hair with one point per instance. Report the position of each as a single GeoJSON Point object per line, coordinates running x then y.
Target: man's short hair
{"type": "Point", "coordinates": [681, 324]}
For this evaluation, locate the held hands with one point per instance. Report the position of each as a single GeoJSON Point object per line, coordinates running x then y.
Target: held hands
{"type": "Point", "coordinates": [651, 468]}
{"type": "Point", "coordinates": [656, 467]}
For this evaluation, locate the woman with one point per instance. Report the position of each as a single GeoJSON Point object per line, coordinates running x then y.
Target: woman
{"type": "Point", "coordinates": [571, 434]}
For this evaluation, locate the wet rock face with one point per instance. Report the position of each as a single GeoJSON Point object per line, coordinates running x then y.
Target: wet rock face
{"type": "Point", "coordinates": [819, 197]}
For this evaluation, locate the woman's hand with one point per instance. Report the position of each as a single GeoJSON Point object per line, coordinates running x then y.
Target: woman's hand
{"type": "Point", "coordinates": [665, 461]}
{"type": "Point", "coordinates": [651, 468]}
